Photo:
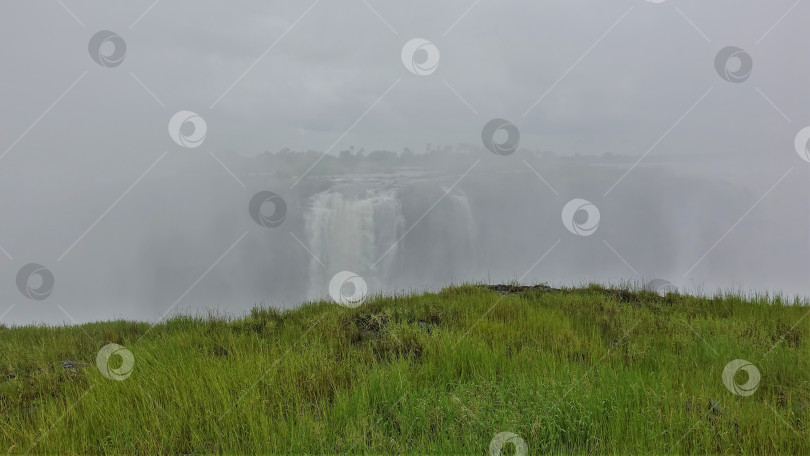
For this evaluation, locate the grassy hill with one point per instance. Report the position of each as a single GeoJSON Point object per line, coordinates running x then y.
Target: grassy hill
{"type": "Point", "coordinates": [583, 371]}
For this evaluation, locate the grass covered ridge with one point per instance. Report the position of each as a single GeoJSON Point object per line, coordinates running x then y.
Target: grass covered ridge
{"type": "Point", "coordinates": [584, 371]}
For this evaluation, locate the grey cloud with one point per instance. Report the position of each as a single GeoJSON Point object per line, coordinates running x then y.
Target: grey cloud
{"type": "Point", "coordinates": [628, 94]}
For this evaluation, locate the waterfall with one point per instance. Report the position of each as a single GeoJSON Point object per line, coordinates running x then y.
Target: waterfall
{"type": "Point", "coordinates": [464, 216]}
{"type": "Point", "coordinates": [354, 229]}
{"type": "Point", "coordinates": [441, 246]}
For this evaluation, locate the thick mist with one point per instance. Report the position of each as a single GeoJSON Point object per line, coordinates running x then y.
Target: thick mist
{"type": "Point", "coordinates": [680, 124]}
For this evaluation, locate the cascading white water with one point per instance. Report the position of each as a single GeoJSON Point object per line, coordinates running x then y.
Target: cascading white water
{"type": "Point", "coordinates": [465, 217]}
{"type": "Point", "coordinates": [356, 227]}
{"type": "Point", "coordinates": [355, 230]}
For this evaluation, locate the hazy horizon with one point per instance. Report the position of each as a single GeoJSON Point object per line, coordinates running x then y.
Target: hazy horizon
{"type": "Point", "coordinates": [134, 164]}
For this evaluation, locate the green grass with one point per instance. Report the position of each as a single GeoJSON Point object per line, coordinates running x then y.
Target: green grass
{"type": "Point", "coordinates": [581, 371]}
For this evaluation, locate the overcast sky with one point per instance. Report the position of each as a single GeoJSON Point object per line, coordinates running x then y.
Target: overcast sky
{"type": "Point", "coordinates": [633, 77]}
{"type": "Point", "coordinates": [613, 76]}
